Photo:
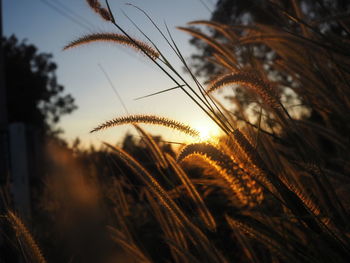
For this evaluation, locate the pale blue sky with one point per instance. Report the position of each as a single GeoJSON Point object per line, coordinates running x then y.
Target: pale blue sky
{"type": "Point", "coordinates": [131, 73]}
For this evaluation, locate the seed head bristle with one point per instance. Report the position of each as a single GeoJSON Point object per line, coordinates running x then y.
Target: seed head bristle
{"type": "Point", "coordinates": [97, 7]}
{"type": "Point", "coordinates": [219, 27]}
{"type": "Point", "coordinates": [204, 213]}
{"type": "Point", "coordinates": [249, 151]}
{"type": "Point", "coordinates": [115, 38]}
{"type": "Point", "coordinates": [241, 183]}
{"type": "Point", "coordinates": [160, 193]}
{"type": "Point", "coordinates": [304, 197]}
{"type": "Point", "coordinates": [262, 88]}
{"type": "Point", "coordinates": [153, 147]}
{"type": "Point", "coordinates": [25, 236]}
{"type": "Point", "coordinates": [256, 230]}
{"type": "Point", "coordinates": [148, 119]}
{"type": "Point", "coordinates": [211, 42]}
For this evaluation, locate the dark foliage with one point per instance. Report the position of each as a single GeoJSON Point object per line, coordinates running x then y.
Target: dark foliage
{"type": "Point", "coordinates": [267, 12]}
{"type": "Point", "coordinates": [33, 94]}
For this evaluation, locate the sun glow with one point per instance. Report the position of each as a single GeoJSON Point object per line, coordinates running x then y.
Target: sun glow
{"type": "Point", "coordinates": [208, 132]}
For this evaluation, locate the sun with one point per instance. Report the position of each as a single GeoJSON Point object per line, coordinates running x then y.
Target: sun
{"type": "Point", "coordinates": [208, 132]}
{"type": "Point", "coordinates": [204, 132]}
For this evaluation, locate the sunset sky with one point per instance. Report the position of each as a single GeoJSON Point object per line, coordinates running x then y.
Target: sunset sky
{"type": "Point", "coordinates": [50, 25]}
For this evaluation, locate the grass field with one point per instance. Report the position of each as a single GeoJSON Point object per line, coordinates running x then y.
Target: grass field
{"type": "Point", "coordinates": [274, 187]}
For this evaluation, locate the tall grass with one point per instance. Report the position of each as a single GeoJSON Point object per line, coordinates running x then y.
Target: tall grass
{"type": "Point", "coordinates": [270, 190]}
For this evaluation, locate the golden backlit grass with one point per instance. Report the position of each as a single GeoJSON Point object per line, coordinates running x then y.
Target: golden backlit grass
{"type": "Point", "coordinates": [271, 191]}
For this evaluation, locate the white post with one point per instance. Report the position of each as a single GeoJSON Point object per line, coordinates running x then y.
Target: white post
{"type": "Point", "coordinates": [20, 187]}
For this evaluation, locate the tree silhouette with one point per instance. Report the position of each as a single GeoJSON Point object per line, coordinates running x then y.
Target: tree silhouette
{"type": "Point", "coordinates": [33, 94]}
{"type": "Point", "coordinates": [267, 12]}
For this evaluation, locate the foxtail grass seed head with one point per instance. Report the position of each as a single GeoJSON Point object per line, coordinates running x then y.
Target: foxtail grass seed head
{"type": "Point", "coordinates": [204, 213]}
{"type": "Point", "coordinates": [241, 183]}
{"type": "Point", "coordinates": [97, 7]}
{"type": "Point", "coordinates": [114, 38]}
{"type": "Point", "coordinates": [253, 82]}
{"type": "Point", "coordinates": [148, 119]}
{"type": "Point", "coordinates": [27, 239]}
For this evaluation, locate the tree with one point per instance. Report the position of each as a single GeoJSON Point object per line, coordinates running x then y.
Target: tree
{"type": "Point", "coordinates": [267, 12]}
{"type": "Point", "coordinates": [284, 42]}
{"type": "Point", "coordinates": [33, 94]}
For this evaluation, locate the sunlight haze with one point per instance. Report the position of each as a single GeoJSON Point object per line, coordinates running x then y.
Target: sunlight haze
{"type": "Point", "coordinates": [50, 25]}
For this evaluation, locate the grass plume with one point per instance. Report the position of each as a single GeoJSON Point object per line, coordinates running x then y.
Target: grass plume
{"type": "Point", "coordinates": [241, 183]}
{"type": "Point", "coordinates": [114, 38]}
{"type": "Point", "coordinates": [249, 80]}
{"type": "Point", "coordinates": [31, 247]}
{"type": "Point", "coordinates": [204, 212]}
{"type": "Point", "coordinates": [148, 119]}
{"type": "Point", "coordinates": [101, 11]}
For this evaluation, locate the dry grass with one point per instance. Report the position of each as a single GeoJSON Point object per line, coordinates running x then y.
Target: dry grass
{"type": "Point", "coordinates": [273, 195]}
{"type": "Point", "coordinates": [114, 38]}
{"type": "Point", "coordinates": [27, 244]}
{"type": "Point", "coordinates": [148, 119]}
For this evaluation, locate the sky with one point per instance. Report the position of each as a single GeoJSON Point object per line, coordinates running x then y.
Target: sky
{"type": "Point", "coordinates": [50, 25]}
